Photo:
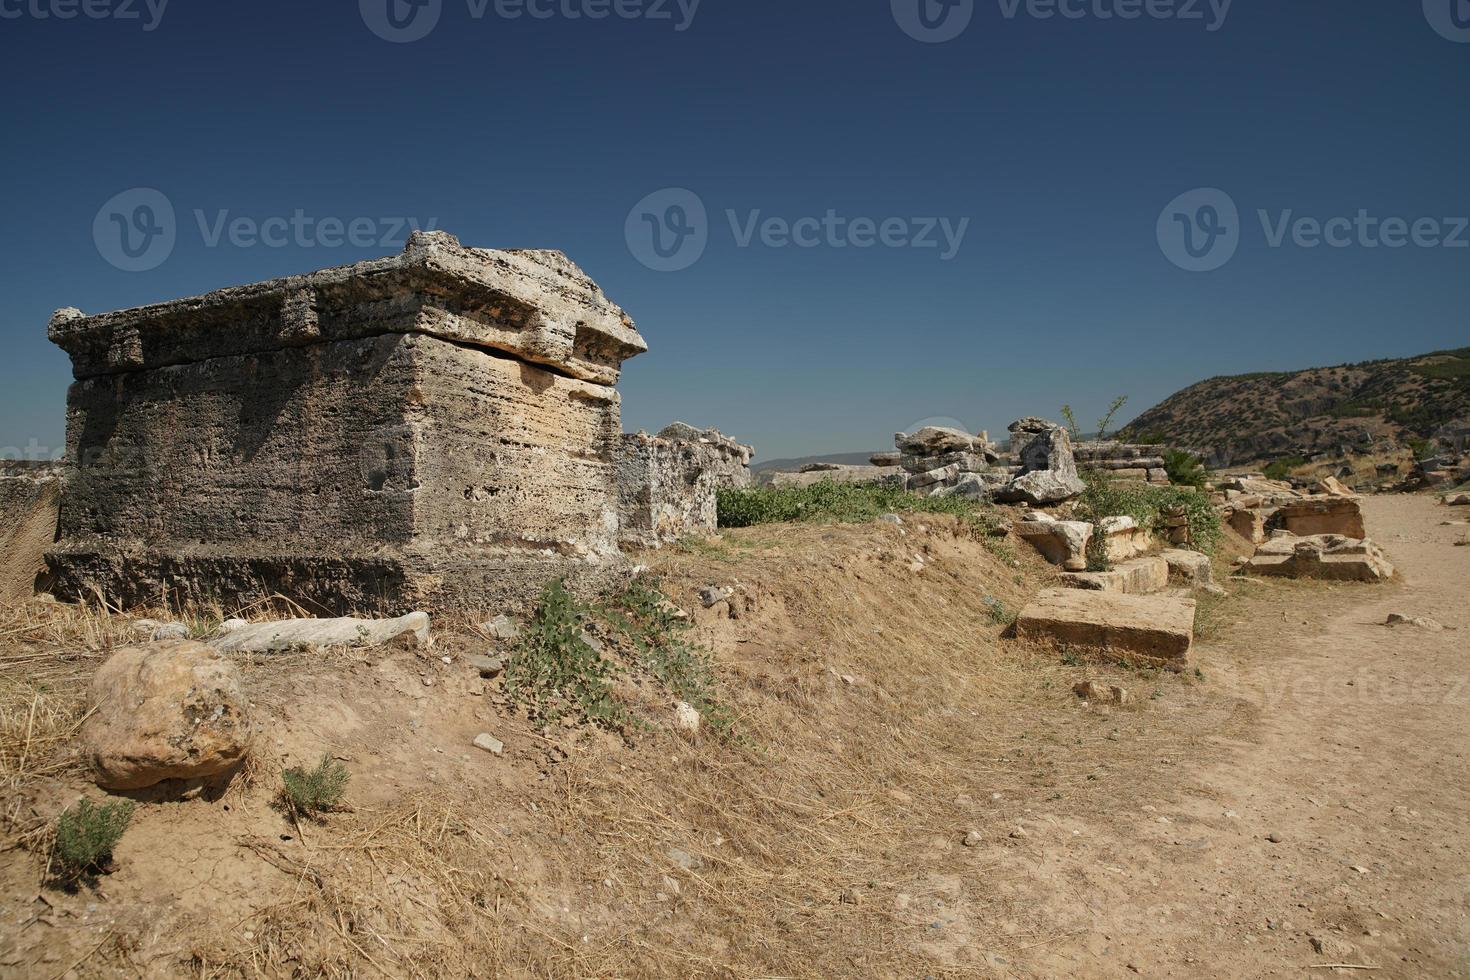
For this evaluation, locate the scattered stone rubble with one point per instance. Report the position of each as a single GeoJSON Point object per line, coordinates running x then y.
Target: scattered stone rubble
{"type": "Point", "coordinates": [439, 427]}
{"type": "Point", "coordinates": [1319, 534]}
{"type": "Point", "coordinates": [942, 461]}
{"type": "Point", "coordinates": [667, 482]}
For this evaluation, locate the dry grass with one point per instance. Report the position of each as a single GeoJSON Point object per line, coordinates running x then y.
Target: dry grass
{"type": "Point", "coordinates": [884, 718]}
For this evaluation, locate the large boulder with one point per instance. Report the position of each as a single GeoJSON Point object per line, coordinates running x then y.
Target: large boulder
{"type": "Point", "coordinates": [170, 711]}
{"type": "Point", "coordinates": [1040, 489]}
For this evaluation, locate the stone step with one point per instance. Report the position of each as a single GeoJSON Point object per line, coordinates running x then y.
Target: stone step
{"type": "Point", "coordinates": [1159, 629]}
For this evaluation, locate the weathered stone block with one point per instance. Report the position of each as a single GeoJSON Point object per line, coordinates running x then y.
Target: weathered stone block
{"type": "Point", "coordinates": [1329, 557]}
{"type": "Point", "coordinates": [1139, 576]}
{"type": "Point", "coordinates": [667, 484]}
{"type": "Point", "coordinates": [1156, 628]}
{"type": "Point", "coordinates": [444, 434]}
{"type": "Point", "coordinates": [1322, 515]}
{"type": "Point", "coordinates": [1062, 543]}
{"type": "Point", "coordinates": [1249, 524]}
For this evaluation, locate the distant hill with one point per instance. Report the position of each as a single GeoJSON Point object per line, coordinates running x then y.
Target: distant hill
{"type": "Point", "coordinates": [792, 465]}
{"type": "Point", "coordinates": [1360, 407]}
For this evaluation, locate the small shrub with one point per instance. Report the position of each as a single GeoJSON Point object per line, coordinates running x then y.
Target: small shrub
{"type": "Point", "coordinates": [1147, 504]}
{"type": "Point", "coordinates": [1000, 613]}
{"type": "Point", "coordinates": [315, 790]}
{"type": "Point", "coordinates": [87, 833]}
{"type": "Point", "coordinates": [1281, 469]}
{"type": "Point", "coordinates": [554, 672]}
{"type": "Point", "coordinates": [1184, 468]}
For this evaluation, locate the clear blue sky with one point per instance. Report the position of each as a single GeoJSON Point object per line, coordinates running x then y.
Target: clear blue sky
{"type": "Point", "coordinates": [1060, 139]}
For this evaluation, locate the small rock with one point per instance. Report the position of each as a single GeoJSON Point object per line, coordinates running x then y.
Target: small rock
{"type": "Point", "coordinates": [487, 666]}
{"type": "Point", "coordinates": [974, 839]}
{"type": "Point", "coordinates": [1019, 833]}
{"type": "Point", "coordinates": [684, 859]}
{"type": "Point", "coordinates": [230, 625]}
{"type": "Point", "coordinates": [1274, 838]}
{"type": "Point", "coordinates": [710, 595]}
{"type": "Point", "coordinates": [170, 631]}
{"type": "Point", "coordinates": [1429, 625]}
{"type": "Point", "coordinates": [891, 519]}
{"type": "Point", "coordinates": [502, 628]}
{"type": "Point", "coordinates": [489, 743]}
{"type": "Point", "coordinates": [686, 718]}
{"type": "Point", "coordinates": [851, 896]}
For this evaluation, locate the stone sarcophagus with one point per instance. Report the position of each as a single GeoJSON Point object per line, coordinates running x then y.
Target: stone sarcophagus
{"type": "Point", "coordinates": [437, 428]}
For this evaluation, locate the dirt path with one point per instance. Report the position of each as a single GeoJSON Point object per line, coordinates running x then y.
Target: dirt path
{"type": "Point", "coordinates": [1360, 775]}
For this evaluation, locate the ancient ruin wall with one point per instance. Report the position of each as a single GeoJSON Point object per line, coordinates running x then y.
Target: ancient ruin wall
{"type": "Point", "coordinates": [667, 484]}
{"type": "Point", "coordinates": [437, 428]}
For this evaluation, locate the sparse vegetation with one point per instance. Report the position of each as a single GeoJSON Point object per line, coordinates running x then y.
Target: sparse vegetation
{"type": "Point", "coordinates": [315, 790]}
{"type": "Point", "coordinates": [558, 669]}
{"type": "Point", "coordinates": [651, 624]}
{"type": "Point", "coordinates": [86, 835]}
{"type": "Point", "coordinates": [554, 671]}
{"type": "Point", "coordinates": [838, 503]}
{"type": "Point", "coordinates": [1147, 504]}
{"type": "Point", "coordinates": [1184, 468]}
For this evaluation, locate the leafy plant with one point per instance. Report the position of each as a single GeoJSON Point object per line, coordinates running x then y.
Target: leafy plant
{"type": "Point", "coordinates": [1000, 613]}
{"type": "Point", "coordinates": [1107, 420]}
{"type": "Point", "coordinates": [1070, 418]}
{"type": "Point", "coordinates": [315, 790]}
{"type": "Point", "coordinates": [87, 833]}
{"type": "Point", "coordinates": [1184, 468]}
{"type": "Point", "coordinates": [650, 623]}
{"type": "Point", "coordinates": [554, 672]}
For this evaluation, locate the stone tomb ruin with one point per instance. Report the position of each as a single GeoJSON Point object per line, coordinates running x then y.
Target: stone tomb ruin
{"type": "Point", "coordinates": [667, 483]}
{"type": "Point", "coordinates": [434, 428]}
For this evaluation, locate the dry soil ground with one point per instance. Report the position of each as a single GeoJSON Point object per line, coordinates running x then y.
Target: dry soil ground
{"type": "Point", "coordinates": [1299, 803]}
